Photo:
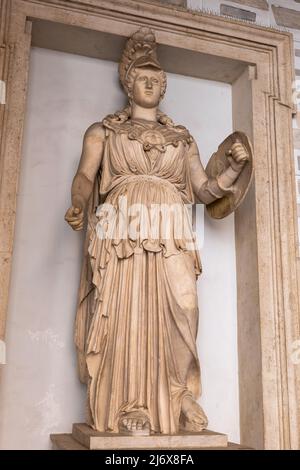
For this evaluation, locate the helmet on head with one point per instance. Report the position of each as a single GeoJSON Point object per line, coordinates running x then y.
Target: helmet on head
{"type": "Point", "coordinates": [139, 52]}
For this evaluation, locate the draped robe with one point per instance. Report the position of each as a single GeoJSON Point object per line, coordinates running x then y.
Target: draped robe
{"type": "Point", "coordinates": [137, 314]}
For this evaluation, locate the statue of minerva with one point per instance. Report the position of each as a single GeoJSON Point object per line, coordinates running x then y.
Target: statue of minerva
{"type": "Point", "coordinates": [137, 315]}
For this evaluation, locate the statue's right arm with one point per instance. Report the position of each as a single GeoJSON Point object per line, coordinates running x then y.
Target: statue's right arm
{"type": "Point", "coordinates": [83, 182]}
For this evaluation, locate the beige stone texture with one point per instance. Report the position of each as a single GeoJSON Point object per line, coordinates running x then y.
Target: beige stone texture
{"type": "Point", "coordinates": [180, 3]}
{"type": "Point", "coordinates": [266, 224]}
{"type": "Point", "coordinates": [65, 442]}
{"type": "Point", "coordinates": [154, 163]}
{"type": "Point", "coordinates": [100, 441]}
{"type": "Point", "coordinates": [168, 3]}
{"type": "Point", "coordinates": [68, 442]}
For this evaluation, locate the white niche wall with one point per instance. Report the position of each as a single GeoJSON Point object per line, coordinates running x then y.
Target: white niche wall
{"type": "Point", "coordinates": [39, 390]}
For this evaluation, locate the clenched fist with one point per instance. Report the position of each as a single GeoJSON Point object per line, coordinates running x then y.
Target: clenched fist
{"type": "Point", "coordinates": [237, 156]}
{"type": "Point", "coordinates": [75, 217]}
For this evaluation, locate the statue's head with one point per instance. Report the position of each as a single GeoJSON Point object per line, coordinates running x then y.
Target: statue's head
{"type": "Point", "coordinates": [141, 75]}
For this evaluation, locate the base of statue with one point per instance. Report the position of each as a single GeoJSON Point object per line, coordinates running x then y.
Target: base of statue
{"type": "Point", "coordinates": [83, 437]}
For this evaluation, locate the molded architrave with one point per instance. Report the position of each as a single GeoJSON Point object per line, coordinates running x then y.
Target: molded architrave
{"type": "Point", "coordinates": [267, 273]}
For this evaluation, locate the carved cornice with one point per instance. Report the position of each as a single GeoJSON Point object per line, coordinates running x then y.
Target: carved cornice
{"type": "Point", "coordinates": [147, 8]}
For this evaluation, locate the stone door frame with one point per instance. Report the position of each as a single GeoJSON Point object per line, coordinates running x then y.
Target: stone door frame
{"type": "Point", "coordinates": [259, 63]}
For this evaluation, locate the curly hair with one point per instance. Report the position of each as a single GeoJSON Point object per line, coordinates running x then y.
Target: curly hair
{"type": "Point", "coordinates": [124, 115]}
{"type": "Point", "coordinates": [132, 76]}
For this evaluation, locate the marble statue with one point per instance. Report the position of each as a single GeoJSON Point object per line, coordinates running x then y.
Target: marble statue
{"type": "Point", "coordinates": [137, 315]}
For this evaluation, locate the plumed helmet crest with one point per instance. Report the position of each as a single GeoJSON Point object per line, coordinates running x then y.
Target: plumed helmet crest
{"type": "Point", "coordinates": [140, 51]}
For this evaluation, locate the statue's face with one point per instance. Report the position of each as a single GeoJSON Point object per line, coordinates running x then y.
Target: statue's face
{"type": "Point", "coordinates": [146, 90]}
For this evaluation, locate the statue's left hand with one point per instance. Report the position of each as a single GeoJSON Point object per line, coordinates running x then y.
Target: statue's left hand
{"type": "Point", "coordinates": [237, 157]}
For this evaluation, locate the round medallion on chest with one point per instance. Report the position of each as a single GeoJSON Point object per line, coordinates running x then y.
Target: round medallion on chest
{"type": "Point", "coordinates": [153, 138]}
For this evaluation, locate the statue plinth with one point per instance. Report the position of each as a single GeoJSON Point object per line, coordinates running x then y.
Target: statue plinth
{"type": "Point", "coordinates": [94, 440]}
{"type": "Point", "coordinates": [87, 438]}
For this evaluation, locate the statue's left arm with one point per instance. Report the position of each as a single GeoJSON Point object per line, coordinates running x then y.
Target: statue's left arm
{"type": "Point", "coordinates": [207, 189]}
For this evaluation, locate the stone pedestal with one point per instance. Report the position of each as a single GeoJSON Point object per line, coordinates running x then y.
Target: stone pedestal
{"type": "Point", "coordinates": [85, 438]}
{"type": "Point", "coordinates": [103, 441]}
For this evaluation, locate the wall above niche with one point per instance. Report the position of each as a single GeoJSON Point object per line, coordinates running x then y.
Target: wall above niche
{"type": "Point", "coordinates": [102, 45]}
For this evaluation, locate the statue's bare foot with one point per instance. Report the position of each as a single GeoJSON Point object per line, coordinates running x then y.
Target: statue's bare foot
{"type": "Point", "coordinates": [134, 423]}
{"type": "Point", "coordinates": [194, 418]}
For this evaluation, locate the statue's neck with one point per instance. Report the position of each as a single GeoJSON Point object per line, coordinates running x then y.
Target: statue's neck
{"type": "Point", "coordinates": [147, 114]}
